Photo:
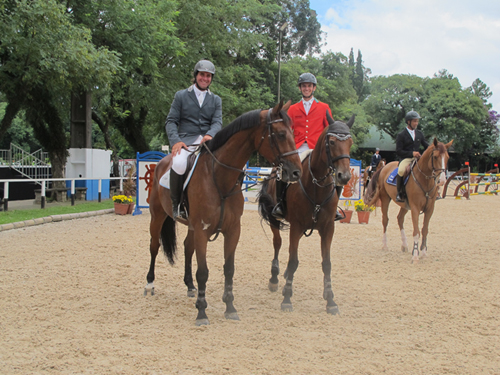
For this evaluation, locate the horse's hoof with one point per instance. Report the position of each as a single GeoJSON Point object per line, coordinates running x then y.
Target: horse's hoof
{"type": "Point", "coordinates": [333, 310]}
{"type": "Point", "coordinates": [414, 260]}
{"type": "Point", "coordinates": [191, 293]}
{"type": "Point", "coordinates": [232, 316]}
{"type": "Point", "coordinates": [150, 289]}
{"type": "Point", "coordinates": [404, 249]}
{"type": "Point", "coordinates": [202, 322]}
{"type": "Point", "coordinates": [273, 287]}
{"type": "Point", "coordinates": [286, 307]}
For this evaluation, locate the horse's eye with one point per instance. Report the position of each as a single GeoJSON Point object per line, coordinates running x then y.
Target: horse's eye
{"type": "Point", "coordinates": [332, 142]}
{"type": "Point", "coordinates": [281, 135]}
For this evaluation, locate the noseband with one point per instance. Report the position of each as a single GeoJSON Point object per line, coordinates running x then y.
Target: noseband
{"type": "Point", "coordinates": [331, 161]}
{"type": "Point", "coordinates": [278, 155]}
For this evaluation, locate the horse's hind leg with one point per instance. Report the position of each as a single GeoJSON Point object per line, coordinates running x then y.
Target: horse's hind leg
{"type": "Point", "coordinates": [293, 263]}
{"type": "Point", "coordinates": [416, 234]}
{"type": "Point", "coordinates": [157, 219]}
{"type": "Point", "coordinates": [188, 270]}
{"type": "Point", "coordinates": [326, 242]}
{"type": "Point", "coordinates": [231, 238]}
{"type": "Point", "coordinates": [275, 268]}
{"type": "Point", "coordinates": [401, 222]}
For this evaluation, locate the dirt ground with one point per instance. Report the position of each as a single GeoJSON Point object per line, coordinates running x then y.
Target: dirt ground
{"type": "Point", "coordinates": [71, 301]}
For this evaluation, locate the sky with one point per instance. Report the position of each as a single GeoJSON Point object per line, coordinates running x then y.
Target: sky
{"type": "Point", "coordinates": [418, 37]}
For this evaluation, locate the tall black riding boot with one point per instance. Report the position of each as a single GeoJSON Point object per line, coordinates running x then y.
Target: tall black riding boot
{"type": "Point", "coordinates": [176, 182]}
{"type": "Point", "coordinates": [338, 215]}
{"type": "Point", "coordinates": [279, 210]}
{"type": "Point", "coordinates": [400, 186]}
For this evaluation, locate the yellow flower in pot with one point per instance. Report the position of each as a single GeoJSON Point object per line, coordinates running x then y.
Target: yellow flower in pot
{"type": "Point", "coordinates": [363, 211]}
{"type": "Point", "coordinates": [123, 204]}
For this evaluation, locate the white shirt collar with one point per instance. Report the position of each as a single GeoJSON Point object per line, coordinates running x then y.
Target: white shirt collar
{"type": "Point", "coordinates": [198, 92]}
{"type": "Point", "coordinates": [412, 133]}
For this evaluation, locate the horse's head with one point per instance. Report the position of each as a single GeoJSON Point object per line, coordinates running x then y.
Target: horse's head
{"type": "Point", "coordinates": [337, 141]}
{"type": "Point", "coordinates": [280, 149]}
{"type": "Point", "coordinates": [435, 160]}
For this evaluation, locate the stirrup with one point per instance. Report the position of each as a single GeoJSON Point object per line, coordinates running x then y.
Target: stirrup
{"type": "Point", "coordinates": [338, 216]}
{"type": "Point", "coordinates": [400, 199]}
{"type": "Point", "coordinates": [277, 212]}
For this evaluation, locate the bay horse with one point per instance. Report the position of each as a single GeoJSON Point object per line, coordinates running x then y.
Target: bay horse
{"type": "Point", "coordinates": [215, 197]}
{"type": "Point", "coordinates": [366, 173]}
{"type": "Point", "coordinates": [312, 204]}
{"type": "Point", "coordinates": [421, 191]}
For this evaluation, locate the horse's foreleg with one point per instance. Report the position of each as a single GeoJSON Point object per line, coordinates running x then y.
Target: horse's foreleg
{"type": "Point", "coordinates": [275, 268]}
{"type": "Point", "coordinates": [385, 200]}
{"type": "Point", "coordinates": [200, 245]}
{"type": "Point", "coordinates": [326, 264]}
{"type": "Point", "coordinates": [416, 235]}
{"type": "Point", "coordinates": [425, 231]}
{"type": "Point", "coordinates": [293, 263]}
{"type": "Point", "coordinates": [401, 223]}
{"type": "Point", "coordinates": [154, 244]}
{"type": "Point", "coordinates": [231, 238]}
{"type": "Point", "coordinates": [188, 258]}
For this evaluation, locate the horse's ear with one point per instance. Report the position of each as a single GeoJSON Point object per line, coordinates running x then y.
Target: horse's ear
{"type": "Point", "coordinates": [278, 107]}
{"type": "Point", "coordinates": [329, 118]}
{"type": "Point", "coordinates": [350, 123]}
{"type": "Point", "coordinates": [435, 142]}
{"type": "Point", "coordinates": [448, 145]}
{"type": "Point", "coordinates": [287, 106]}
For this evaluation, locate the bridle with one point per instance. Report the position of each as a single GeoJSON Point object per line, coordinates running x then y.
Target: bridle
{"type": "Point", "coordinates": [331, 171]}
{"type": "Point", "coordinates": [434, 176]}
{"type": "Point", "coordinates": [278, 161]}
{"type": "Point", "coordinates": [278, 155]}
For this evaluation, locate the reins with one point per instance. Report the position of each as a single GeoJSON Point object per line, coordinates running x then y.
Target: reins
{"type": "Point", "coordinates": [433, 176]}
{"type": "Point", "coordinates": [278, 157]}
{"type": "Point", "coordinates": [330, 173]}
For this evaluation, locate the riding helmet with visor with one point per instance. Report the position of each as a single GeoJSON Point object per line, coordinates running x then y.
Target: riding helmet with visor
{"type": "Point", "coordinates": [412, 115]}
{"type": "Point", "coordinates": [204, 66]}
{"type": "Point", "coordinates": [307, 78]}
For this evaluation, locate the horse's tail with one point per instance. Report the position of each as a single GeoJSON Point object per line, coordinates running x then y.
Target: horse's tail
{"type": "Point", "coordinates": [266, 205]}
{"type": "Point", "coordinates": [169, 239]}
{"type": "Point", "coordinates": [373, 191]}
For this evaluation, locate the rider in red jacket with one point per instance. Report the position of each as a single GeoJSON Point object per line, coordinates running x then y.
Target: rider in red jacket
{"type": "Point", "coordinates": [308, 121]}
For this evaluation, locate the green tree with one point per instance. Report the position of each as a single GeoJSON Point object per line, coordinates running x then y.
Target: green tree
{"type": "Point", "coordinates": [43, 58]}
{"type": "Point", "coordinates": [391, 98]}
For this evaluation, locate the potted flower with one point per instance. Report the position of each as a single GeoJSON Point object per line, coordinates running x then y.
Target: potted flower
{"type": "Point", "coordinates": [123, 204]}
{"type": "Point", "coordinates": [363, 211]}
{"type": "Point", "coordinates": [347, 212]}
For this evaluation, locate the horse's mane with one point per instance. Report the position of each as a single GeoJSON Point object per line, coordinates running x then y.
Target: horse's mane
{"type": "Point", "coordinates": [245, 121]}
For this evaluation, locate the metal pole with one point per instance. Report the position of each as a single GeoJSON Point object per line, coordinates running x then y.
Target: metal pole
{"type": "Point", "coordinates": [279, 68]}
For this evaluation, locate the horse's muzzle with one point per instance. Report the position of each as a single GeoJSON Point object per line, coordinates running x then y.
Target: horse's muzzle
{"type": "Point", "coordinates": [342, 178]}
{"type": "Point", "coordinates": [290, 173]}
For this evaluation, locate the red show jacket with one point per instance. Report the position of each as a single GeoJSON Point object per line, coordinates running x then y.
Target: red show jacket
{"type": "Point", "coordinates": [308, 127]}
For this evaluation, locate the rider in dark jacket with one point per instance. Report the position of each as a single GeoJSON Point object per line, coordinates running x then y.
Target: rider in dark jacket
{"type": "Point", "coordinates": [408, 144]}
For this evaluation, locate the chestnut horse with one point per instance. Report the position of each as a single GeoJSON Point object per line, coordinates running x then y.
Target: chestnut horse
{"type": "Point", "coordinates": [215, 198]}
{"type": "Point", "coordinates": [421, 191]}
{"type": "Point", "coordinates": [312, 204]}
{"type": "Point", "coordinates": [366, 175]}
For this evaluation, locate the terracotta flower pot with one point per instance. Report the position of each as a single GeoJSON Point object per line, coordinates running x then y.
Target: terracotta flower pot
{"type": "Point", "coordinates": [363, 217]}
{"type": "Point", "coordinates": [121, 208]}
{"type": "Point", "coordinates": [130, 208]}
{"type": "Point", "coordinates": [348, 216]}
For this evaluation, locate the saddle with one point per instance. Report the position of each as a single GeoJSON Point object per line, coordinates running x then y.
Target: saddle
{"type": "Point", "coordinates": [391, 179]}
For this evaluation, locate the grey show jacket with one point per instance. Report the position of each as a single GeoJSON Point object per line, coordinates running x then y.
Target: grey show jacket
{"type": "Point", "coordinates": [186, 121]}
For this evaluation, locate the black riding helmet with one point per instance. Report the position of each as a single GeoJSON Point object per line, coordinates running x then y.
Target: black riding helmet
{"type": "Point", "coordinates": [412, 115]}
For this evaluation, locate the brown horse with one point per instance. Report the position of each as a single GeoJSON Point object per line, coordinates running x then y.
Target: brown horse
{"type": "Point", "coordinates": [312, 204]}
{"type": "Point", "coordinates": [366, 173]}
{"type": "Point", "coordinates": [421, 192]}
{"type": "Point", "coordinates": [215, 197]}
